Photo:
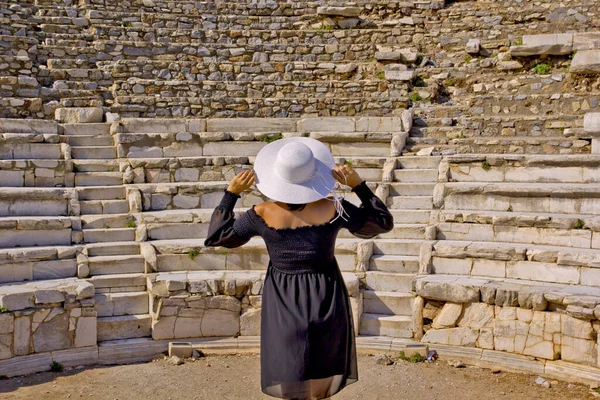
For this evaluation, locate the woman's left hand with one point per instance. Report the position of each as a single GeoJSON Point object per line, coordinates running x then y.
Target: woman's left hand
{"type": "Point", "coordinates": [242, 181]}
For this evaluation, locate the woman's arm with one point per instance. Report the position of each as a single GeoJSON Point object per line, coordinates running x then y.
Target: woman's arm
{"type": "Point", "coordinates": [224, 229]}
{"type": "Point", "coordinates": [372, 217]}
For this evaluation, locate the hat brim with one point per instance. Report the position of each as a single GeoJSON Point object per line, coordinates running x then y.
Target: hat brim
{"type": "Point", "coordinates": [318, 187]}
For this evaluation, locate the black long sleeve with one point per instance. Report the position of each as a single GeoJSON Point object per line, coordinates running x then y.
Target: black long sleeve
{"type": "Point", "coordinates": [224, 229]}
{"type": "Point", "coordinates": [371, 218]}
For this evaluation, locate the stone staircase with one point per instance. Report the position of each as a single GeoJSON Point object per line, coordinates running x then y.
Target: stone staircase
{"type": "Point", "coordinates": [159, 103]}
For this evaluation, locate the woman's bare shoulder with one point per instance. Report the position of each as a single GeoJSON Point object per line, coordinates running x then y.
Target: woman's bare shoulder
{"type": "Point", "coordinates": [261, 208]}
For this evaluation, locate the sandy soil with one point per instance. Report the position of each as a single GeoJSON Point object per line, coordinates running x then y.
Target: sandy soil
{"type": "Point", "coordinates": [238, 377]}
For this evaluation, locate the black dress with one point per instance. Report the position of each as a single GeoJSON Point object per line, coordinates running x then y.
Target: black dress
{"type": "Point", "coordinates": [307, 336]}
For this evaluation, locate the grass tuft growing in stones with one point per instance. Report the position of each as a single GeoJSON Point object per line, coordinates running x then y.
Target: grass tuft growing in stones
{"type": "Point", "coordinates": [486, 165]}
{"type": "Point", "coordinates": [542, 69]}
{"type": "Point", "coordinates": [56, 367]}
{"type": "Point", "coordinates": [193, 254]}
{"type": "Point", "coordinates": [415, 97]}
{"type": "Point", "coordinates": [269, 139]}
{"type": "Point", "coordinates": [418, 82]}
{"type": "Point", "coordinates": [3, 310]}
{"type": "Point", "coordinates": [579, 225]}
{"type": "Point", "coordinates": [413, 358]}
{"type": "Point", "coordinates": [131, 224]}
{"type": "Point", "coordinates": [518, 42]}
{"type": "Point", "coordinates": [381, 75]}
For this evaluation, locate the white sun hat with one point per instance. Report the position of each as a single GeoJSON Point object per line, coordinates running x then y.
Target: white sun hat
{"type": "Point", "coordinates": [295, 170]}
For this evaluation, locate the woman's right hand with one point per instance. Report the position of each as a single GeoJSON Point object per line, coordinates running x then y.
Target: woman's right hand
{"type": "Point", "coordinates": [242, 181]}
{"type": "Point", "coordinates": [345, 175]}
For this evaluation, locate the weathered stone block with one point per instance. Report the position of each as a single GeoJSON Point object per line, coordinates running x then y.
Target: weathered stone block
{"type": "Point", "coordinates": [448, 316]}
{"type": "Point", "coordinates": [586, 62]}
{"type": "Point", "coordinates": [477, 316]}
{"type": "Point", "coordinates": [76, 115]}
{"type": "Point", "coordinates": [550, 44]}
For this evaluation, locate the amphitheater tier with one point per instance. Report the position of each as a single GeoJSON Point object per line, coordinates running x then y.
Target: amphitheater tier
{"type": "Point", "coordinates": [478, 124]}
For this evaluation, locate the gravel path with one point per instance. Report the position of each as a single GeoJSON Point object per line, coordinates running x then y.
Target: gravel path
{"type": "Point", "coordinates": [238, 377]}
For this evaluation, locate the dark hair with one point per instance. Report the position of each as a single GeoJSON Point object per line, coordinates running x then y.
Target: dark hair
{"type": "Point", "coordinates": [295, 207]}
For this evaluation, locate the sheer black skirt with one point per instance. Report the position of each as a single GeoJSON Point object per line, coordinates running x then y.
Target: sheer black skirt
{"type": "Point", "coordinates": [308, 348]}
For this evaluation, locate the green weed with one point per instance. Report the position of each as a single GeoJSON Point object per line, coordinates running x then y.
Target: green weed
{"type": "Point", "coordinates": [509, 209]}
{"type": "Point", "coordinates": [381, 75]}
{"type": "Point", "coordinates": [131, 224]}
{"type": "Point", "coordinates": [518, 42]}
{"type": "Point", "coordinates": [418, 82]}
{"type": "Point", "coordinates": [348, 163]}
{"type": "Point", "coordinates": [192, 254]}
{"type": "Point", "coordinates": [542, 69]}
{"type": "Point", "coordinates": [419, 59]}
{"type": "Point", "coordinates": [269, 139]}
{"type": "Point", "coordinates": [56, 367]}
{"type": "Point", "coordinates": [413, 358]}
{"type": "Point", "coordinates": [579, 225]}
{"type": "Point", "coordinates": [3, 310]}
{"type": "Point", "coordinates": [486, 165]}
{"type": "Point", "coordinates": [416, 97]}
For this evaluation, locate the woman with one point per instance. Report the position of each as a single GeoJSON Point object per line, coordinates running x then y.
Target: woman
{"type": "Point", "coordinates": [307, 335]}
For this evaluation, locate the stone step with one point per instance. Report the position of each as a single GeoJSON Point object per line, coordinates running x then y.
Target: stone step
{"type": "Point", "coordinates": [407, 216]}
{"type": "Point", "coordinates": [411, 189]}
{"type": "Point", "coordinates": [88, 129]}
{"type": "Point", "coordinates": [386, 325]}
{"type": "Point", "coordinates": [109, 265]}
{"type": "Point", "coordinates": [120, 304]}
{"type": "Point", "coordinates": [389, 282]}
{"type": "Point", "coordinates": [98, 178]}
{"type": "Point", "coordinates": [94, 152]}
{"type": "Point", "coordinates": [401, 247]}
{"type": "Point", "coordinates": [405, 231]}
{"type": "Point", "coordinates": [95, 165]}
{"type": "Point", "coordinates": [416, 175]}
{"type": "Point", "coordinates": [388, 303]}
{"type": "Point", "coordinates": [567, 198]}
{"type": "Point", "coordinates": [101, 193]}
{"type": "Point", "coordinates": [106, 221]}
{"type": "Point", "coordinates": [569, 237]}
{"type": "Point", "coordinates": [104, 207]}
{"type": "Point", "coordinates": [418, 162]}
{"type": "Point", "coordinates": [124, 327]}
{"type": "Point", "coordinates": [394, 263]}
{"type": "Point", "coordinates": [38, 126]}
{"type": "Point", "coordinates": [521, 219]}
{"type": "Point", "coordinates": [119, 283]}
{"type": "Point", "coordinates": [113, 249]}
{"type": "Point", "coordinates": [87, 141]}
{"type": "Point", "coordinates": [109, 235]}
{"type": "Point", "coordinates": [410, 202]}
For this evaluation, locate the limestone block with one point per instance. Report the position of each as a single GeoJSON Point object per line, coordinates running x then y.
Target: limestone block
{"type": "Point", "coordinates": [339, 11]}
{"type": "Point", "coordinates": [7, 323]}
{"type": "Point", "coordinates": [463, 337]}
{"type": "Point", "coordinates": [576, 328]}
{"type": "Point", "coordinates": [232, 148]}
{"type": "Point", "coordinates": [378, 124]}
{"type": "Point", "coordinates": [12, 178]}
{"type": "Point", "coordinates": [329, 124]}
{"type": "Point", "coordinates": [477, 316]}
{"type": "Point", "coordinates": [164, 328]}
{"type": "Point", "coordinates": [85, 333]}
{"type": "Point", "coordinates": [578, 350]}
{"type": "Point", "coordinates": [49, 296]}
{"type": "Point", "coordinates": [586, 62]}
{"type": "Point", "coordinates": [549, 44]}
{"type": "Point", "coordinates": [187, 175]}
{"type": "Point", "coordinates": [250, 322]}
{"type": "Point", "coordinates": [398, 143]}
{"type": "Point", "coordinates": [447, 291]}
{"type": "Point", "coordinates": [218, 322]}
{"type": "Point", "coordinates": [452, 266]}
{"type": "Point", "coordinates": [473, 46]}
{"type": "Point", "coordinates": [440, 336]}
{"type": "Point", "coordinates": [75, 115]}
{"type": "Point", "coordinates": [448, 316]}
{"type": "Point", "coordinates": [53, 334]}
{"type": "Point", "coordinates": [153, 125]}
{"type": "Point", "coordinates": [187, 327]}
{"type": "Point", "coordinates": [17, 301]}
{"type": "Point", "coordinates": [591, 122]}
{"type": "Point", "coordinates": [251, 125]}
{"type": "Point", "coordinates": [6, 346]}
{"type": "Point", "coordinates": [546, 272]}
{"type": "Point", "coordinates": [491, 268]}
{"type": "Point", "coordinates": [22, 336]}
{"type": "Point", "coordinates": [486, 339]}
{"type": "Point", "coordinates": [183, 201]}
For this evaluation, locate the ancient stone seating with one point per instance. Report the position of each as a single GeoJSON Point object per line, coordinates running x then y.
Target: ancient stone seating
{"type": "Point", "coordinates": [477, 123]}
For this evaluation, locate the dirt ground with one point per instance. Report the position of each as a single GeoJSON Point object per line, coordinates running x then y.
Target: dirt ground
{"type": "Point", "coordinates": [238, 377]}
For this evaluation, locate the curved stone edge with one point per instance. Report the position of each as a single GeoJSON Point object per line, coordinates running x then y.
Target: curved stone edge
{"type": "Point", "coordinates": [132, 351]}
